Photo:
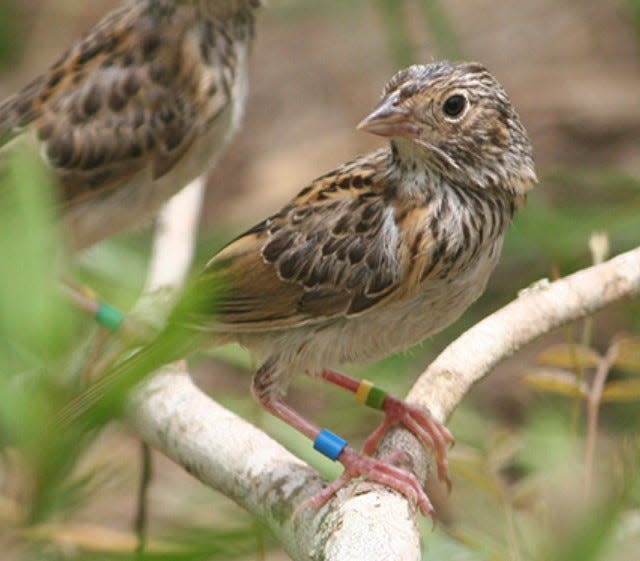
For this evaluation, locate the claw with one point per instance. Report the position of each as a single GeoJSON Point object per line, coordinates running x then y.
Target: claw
{"type": "Point", "coordinates": [430, 432]}
{"type": "Point", "coordinates": [379, 471]}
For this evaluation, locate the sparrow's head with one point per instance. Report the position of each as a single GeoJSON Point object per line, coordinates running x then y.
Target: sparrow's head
{"type": "Point", "coordinates": [458, 119]}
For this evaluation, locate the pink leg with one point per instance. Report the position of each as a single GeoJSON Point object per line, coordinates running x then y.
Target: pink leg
{"type": "Point", "coordinates": [430, 433]}
{"type": "Point", "coordinates": [380, 471]}
{"type": "Point", "coordinates": [355, 464]}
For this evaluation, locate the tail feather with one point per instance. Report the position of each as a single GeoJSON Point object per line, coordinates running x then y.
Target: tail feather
{"type": "Point", "coordinates": [19, 110]}
{"type": "Point", "coordinates": [105, 397]}
{"type": "Point", "coordinates": [8, 120]}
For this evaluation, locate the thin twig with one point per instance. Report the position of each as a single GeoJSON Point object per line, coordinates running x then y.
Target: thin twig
{"type": "Point", "coordinates": [79, 298]}
{"type": "Point", "coordinates": [576, 365]}
{"type": "Point", "coordinates": [171, 257]}
{"type": "Point", "coordinates": [141, 520]}
{"type": "Point", "coordinates": [593, 408]}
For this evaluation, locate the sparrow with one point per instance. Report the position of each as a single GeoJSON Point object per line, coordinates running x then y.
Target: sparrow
{"type": "Point", "coordinates": [380, 253]}
{"type": "Point", "coordinates": [136, 109]}
{"type": "Point", "coordinates": [369, 259]}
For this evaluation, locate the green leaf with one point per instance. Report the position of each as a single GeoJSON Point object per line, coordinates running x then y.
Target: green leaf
{"type": "Point", "coordinates": [621, 391]}
{"type": "Point", "coordinates": [400, 44]}
{"type": "Point", "coordinates": [559, 382]}
{"type": "Point", "coordinates": [33, 315]}
{"type": "Point", "coordinates": [504, 448]}
{"type": "Point", "coordinates": [469, 464]}
{"type": "Point", "coordinates": [485, 546]}
{"type": "Point", "coordinates": [628, 357]}
{"type": "Point", "coordinates": [440, 24]}
{"type": "Point", "coordinates": [590, 538]}
{"type": "Point", "coordinates": [564, 355]}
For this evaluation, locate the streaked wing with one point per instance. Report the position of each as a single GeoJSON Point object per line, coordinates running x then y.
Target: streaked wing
{"type": "Point", "coordinates": [331, 252]}
{"type": "Point", "coordinates": [124, 98]}
{"type": "Point", "coordinates": [8, 121]}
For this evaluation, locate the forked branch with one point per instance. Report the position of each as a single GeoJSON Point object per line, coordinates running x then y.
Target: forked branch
{"type": "Point", "coordinates": [364, 521]}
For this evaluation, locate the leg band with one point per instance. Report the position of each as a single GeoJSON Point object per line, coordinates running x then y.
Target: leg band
{"type": "Point", "coordinates": [109, 317]}
{"type": "Point", "coordinates": [329, 444]}
{"type": "Point", "coordinates": [370, 395]}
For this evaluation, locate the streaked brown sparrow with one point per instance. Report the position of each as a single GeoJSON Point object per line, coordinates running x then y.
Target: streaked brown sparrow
{"type": "Point", "coordinates": [379, 254]}
{"type": "Point", "coordinates": [138, 108]}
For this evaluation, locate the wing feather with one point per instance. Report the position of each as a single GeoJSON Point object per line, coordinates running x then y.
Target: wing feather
{"type": "Point", "coordinates": [330, 253]}
{"type": "Point", "coordinates": [120, 102]}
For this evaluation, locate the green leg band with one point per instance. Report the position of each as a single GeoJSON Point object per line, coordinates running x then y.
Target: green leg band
{"type": "Point", "coordinates": [109, 317]}
{"type": "Point", "coordinates": [375, 399]}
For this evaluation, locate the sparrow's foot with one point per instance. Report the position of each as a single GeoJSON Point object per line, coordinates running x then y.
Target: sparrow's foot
{"type": "Point", "coordinates": [430, 432]}
{"type": "Point", "coordinates": [377, 470]}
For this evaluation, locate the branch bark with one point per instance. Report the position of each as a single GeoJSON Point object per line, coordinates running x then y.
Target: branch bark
{"type": "Point", "coordinates": [364, 521]}
{"type": "Point", "coordinates": [537, 311]}
{"type": "Point", "coordinates": [175, 237]}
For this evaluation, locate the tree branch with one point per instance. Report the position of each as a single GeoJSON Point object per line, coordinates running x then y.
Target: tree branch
{"type": "Point", "coordinates": [365, 521]}
{"type": "Point", "coordinates": [175, 237]}
{"type": "Point", "coordinates": [537, 311]}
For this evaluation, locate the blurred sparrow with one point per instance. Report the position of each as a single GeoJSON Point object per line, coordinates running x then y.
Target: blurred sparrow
{"type": "Point", "coordinates": [138, 108]}
{"type": "Point", "coordinates": [379, 254]}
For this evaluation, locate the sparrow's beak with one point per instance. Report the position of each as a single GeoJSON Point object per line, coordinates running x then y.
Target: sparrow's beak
{"type": "Point", "coordinates": [388, 120]}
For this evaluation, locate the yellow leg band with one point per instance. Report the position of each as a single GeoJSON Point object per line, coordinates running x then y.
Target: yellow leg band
{"type": "Point", "coordinates": [370, 395]}
{"type": "Point", "coordinates": [363, 390]}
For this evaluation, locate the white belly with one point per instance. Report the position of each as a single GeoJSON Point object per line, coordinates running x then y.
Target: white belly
{"type": "Point", "coordinates": [385, 330]}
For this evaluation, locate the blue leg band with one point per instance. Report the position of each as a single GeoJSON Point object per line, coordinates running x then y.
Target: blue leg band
{"type": "Point", "coordinates": [329, 444]}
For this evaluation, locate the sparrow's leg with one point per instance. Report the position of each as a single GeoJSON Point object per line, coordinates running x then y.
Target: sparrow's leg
{"type": "Point", "coordinates": [267, 388]}
{"type": "Point", "coordinates": [428, 430]}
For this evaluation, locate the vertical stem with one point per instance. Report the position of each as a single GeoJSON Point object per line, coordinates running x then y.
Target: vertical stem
{"type": "Point", "coordinates": [587, 331]}
{"type": "Point", "coordinates": [593, 407]}
{"type": "Point", "coordinates": [579, 374]}
{"type": "Point", "coordinates": [141, 521]}
{"type": "Point", "coordinates": [576, 365]}
{"type": "Point", "coordinates": [261, 549]}
{"type": "Point", "coordinates": [442, 29]}
{"type": "Point", "coordinates": [511, 534]}
{"type": "Point", "coordinates": [399, 43]}
{"type": "Point", "coordinates": [633, 11]}
{"type": "Point", "coordinates": [175, 236]}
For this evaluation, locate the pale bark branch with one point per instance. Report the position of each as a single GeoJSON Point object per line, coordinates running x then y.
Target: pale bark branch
{"type": "Point", "coordinates": [537, 311]}
{"type": "Point", "coordinates": [365, 521]}
{"type": "Point", "coordinates": [171, 256]}
{"type": "Point", "coordinates": [175, 238]}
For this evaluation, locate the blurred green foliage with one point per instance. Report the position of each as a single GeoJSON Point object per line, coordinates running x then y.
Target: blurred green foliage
{"type": "Point", "coordinates": [632, 8]}
{"type": "Point", "coordinates": [519, 489]}
{"type": "Point", "coordinates": [436, 23]}
{"type": "Point", "coordinates": [10, 45]}
{"type": "Point", "coordinates": [42, 357]}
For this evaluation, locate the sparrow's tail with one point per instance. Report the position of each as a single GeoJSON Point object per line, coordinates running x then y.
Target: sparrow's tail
{"type": "Point", "coordinates": [105, 398]}
{"type": "Point", "coordinates": [19, 110]}
{"type": "Point", "coordinates": [185, 331]}
{"type": "Point", "coordinates": [8, 120]}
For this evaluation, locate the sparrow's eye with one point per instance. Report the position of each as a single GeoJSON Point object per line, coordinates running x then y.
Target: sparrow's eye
{"type": "Point", "coordinates": [454, 105]}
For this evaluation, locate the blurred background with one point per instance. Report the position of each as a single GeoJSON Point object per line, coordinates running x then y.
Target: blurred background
{"type": "Point", "coordinates": [572, 69]}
